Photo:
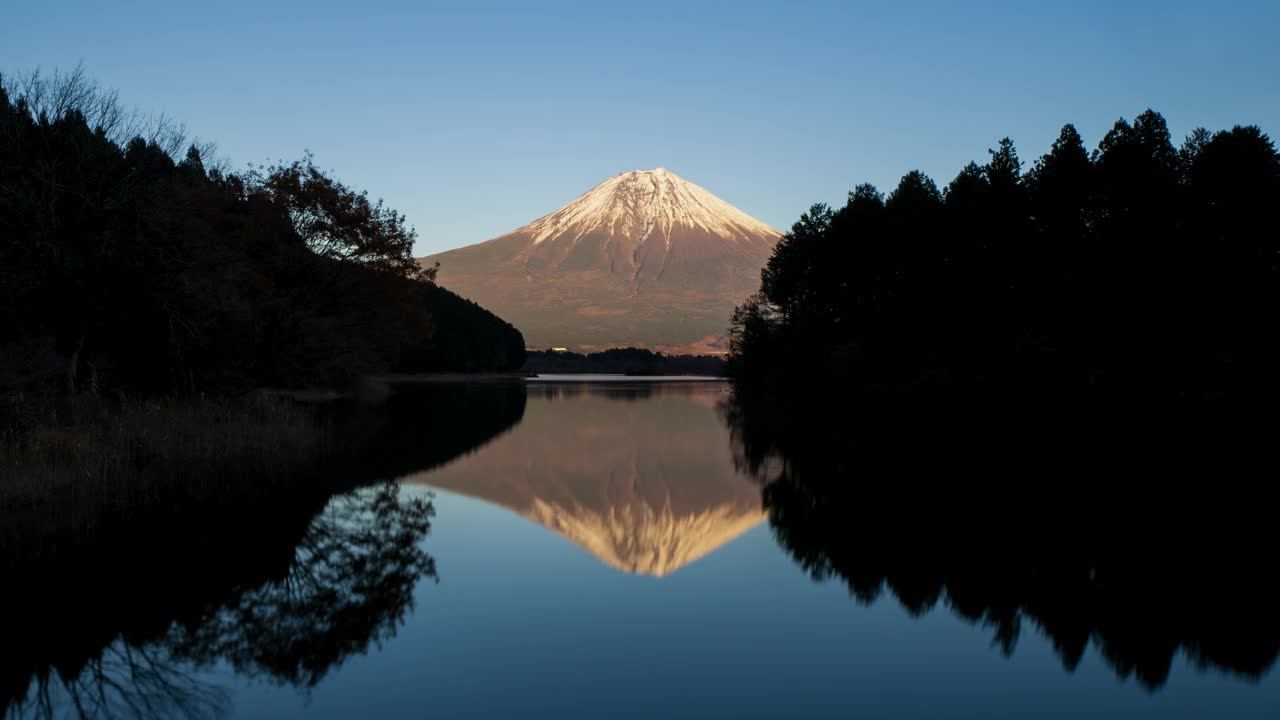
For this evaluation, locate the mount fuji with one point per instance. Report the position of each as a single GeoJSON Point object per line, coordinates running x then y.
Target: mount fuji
{"type": "Point", "coordinates": [645, 258]}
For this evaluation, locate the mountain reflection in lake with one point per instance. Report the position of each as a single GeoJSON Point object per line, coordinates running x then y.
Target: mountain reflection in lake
{"type": "Point", "coordinates": [649, 549]}
{"type": "Point", "coordinates": [638, 475]}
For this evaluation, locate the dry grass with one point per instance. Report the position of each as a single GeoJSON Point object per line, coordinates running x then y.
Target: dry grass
{"type": "Point", "coordinates": [71, 462]}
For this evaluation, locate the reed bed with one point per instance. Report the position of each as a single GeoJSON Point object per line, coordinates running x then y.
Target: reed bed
{"type": "Point", "coordinates": [69, 463]}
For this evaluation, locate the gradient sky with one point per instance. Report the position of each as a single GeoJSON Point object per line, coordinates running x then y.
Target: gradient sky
{"type": "Point", "coordinates": [474, 118]}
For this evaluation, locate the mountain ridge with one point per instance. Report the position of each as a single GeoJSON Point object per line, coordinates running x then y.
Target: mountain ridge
{"type": "Point", "coordinates": [645, 258]}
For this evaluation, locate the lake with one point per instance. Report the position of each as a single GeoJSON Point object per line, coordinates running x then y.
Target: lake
{"type": "Point", "coordinates": [611, 548]}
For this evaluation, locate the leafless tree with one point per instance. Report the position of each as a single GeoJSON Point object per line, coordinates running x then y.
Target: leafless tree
{"type": "Point", "coordinates": [51, 95]}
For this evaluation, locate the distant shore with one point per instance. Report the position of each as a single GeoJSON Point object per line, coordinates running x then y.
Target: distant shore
{"type": "Point", "coordinates": [412, 379]}
{"type": "Point", "coordinates": [447, 377]}
{"type": "Point", "coordinates": [607, 377]}
{"type": "Point", "coordinates": [377, 387]}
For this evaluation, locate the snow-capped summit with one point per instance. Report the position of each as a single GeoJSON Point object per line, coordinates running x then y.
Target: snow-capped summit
{"type": "Point", "coordinates": [652, 203]}
{"type": "Point", "coordinates": [645, 258]}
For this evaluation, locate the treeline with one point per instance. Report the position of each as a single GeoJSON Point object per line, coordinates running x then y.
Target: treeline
{"type": "Point", "coordinates": [1029, 355]}
{"type": "Point", "coordinates": [625, 361]}
{"type": "Point", "coordinates": [1136, 264]}
{"type": "Point", "coordinates": [130, 261]}
{"type": "Point", "coordinates": [465, 337]}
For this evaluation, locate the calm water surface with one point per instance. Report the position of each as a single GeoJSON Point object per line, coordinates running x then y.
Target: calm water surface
{"type": "Point", "coordinates": [604, 553]}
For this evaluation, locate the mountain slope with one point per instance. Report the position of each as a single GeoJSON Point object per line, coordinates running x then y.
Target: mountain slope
{"type": "Point", "coordinates": [645, 258]}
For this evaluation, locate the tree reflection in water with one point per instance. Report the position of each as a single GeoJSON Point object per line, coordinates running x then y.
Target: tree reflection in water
{"type": "Point", "coordinates": [350, 584]}
{"type": "Point", "coordinates": [281, 585]}
{"type": "Point", "coordinates": [1065, 516]}
{"type": "Point", "coordinates": [125, 680]}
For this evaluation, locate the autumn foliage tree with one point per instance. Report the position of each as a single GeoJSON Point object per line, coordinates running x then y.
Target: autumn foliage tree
{"type": "Point", "coordinates": [339, 223]}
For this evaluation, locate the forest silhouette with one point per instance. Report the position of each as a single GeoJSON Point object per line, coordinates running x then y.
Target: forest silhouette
{"type": "Point", "coordinates": [1036, 396]}
{"type": "Point", "coordinates": [1138, 264]}
{"type": "Point", "coordinates": [129, 264]}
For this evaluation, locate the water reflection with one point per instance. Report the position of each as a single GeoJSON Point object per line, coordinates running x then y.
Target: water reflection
{"type": "Point", "coordinates": [649, 478]}
{"type": "Point", "coordinates": [1009, 515]}
{"type": "Point", "coordinates": [282, 590]}
{"type": "Point", "coordinates": [634, 473]}
{"type": "Point", "coordinates": [349, 584]}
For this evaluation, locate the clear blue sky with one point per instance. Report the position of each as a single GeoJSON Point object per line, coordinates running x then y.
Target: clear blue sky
{"type": "Point", "coordinates": [473, 118]}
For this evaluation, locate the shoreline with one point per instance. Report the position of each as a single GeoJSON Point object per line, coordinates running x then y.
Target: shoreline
{"type": "Point", "coordinates": [521, 376]}
{"type": "Point", "coordinates": [445, 377]}
{"type": "Point", "coordinates": [606, 377]}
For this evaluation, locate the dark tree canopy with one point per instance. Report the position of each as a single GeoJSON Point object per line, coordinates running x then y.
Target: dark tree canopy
{"type": "Point", "coordinates": [467, 338]}
{"type": "Point", "coordinates": [1138, 264]}
{"type": "Point", "coordinates": [338, 223]}
{"type": "Point", "coordinates": [130, 260]}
